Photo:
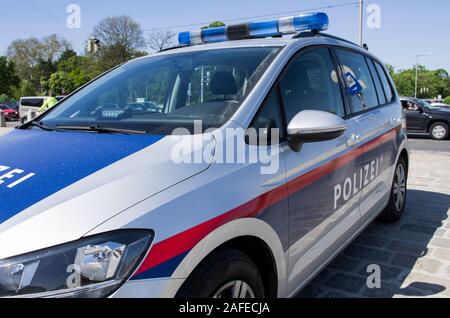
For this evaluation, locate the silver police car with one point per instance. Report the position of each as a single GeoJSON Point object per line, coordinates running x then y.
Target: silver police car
{"type": "Point", "coordinates": [237, 165]}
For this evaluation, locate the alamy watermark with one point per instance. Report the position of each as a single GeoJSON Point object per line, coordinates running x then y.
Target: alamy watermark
{"type": "Point", "coordinates": [74, 18]}
{"type": "Point", "coordinates": [228, 146]}
{"type": "Point", "coordinates": [374, 16]}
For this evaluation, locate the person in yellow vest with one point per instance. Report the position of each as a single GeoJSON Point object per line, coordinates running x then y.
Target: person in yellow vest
{"type": "Point", "coordinates": [49, 103]}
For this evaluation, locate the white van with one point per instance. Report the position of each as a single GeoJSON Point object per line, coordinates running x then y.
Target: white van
{"type": "Point", "coordinates": [29, 107]}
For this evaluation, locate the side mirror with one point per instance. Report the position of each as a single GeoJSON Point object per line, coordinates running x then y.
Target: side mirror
{"type": "Point", "coordinates": [314, 126]}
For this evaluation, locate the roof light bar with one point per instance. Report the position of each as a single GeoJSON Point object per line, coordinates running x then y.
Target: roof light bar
{"type": "Point", "coordinates": [277, 27]}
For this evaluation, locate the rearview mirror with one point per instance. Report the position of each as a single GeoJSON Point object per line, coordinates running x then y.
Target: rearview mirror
{"type": "Point", "coordinates": [314, 126]}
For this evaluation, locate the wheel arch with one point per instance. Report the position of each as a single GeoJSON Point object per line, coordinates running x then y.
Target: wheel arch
{"type": "Point", "coordinates": [251, 236]}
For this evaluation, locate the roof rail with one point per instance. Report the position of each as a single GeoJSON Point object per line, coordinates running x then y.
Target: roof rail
{"type": "Point", "coordinates": [308, 34]}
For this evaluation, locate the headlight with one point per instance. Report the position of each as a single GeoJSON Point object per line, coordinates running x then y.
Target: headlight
{"type": "Point", "coordinates": [89, 268]}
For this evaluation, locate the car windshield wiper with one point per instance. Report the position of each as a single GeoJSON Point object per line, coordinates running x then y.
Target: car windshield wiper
{"type": "Point", "coordinates": [103, 130]}
{"type": "Point", "coordinates": [41, 126]}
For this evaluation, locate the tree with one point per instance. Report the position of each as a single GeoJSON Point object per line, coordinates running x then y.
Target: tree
{"type": "Point", "coordinates": [430, 83]}
{"type": "Point", "coordinates": [4, 98]}
{"type": "Point", "coordinates": [25, 88]}
{"type": "Point", "coordinates": [36, 58]}
{"type": "Point", "coordinates": [8, 76]}
{"type": "Point", "coordinates": [120, 39]}
{"type": "Point", "coordinates": [67, 55]}
{"type": "Point", "coordinates": [447, 100]}
{"type": "Point", "coordinates": [160, 40]}
{"type": "Point", "coordinates": [60, 83]}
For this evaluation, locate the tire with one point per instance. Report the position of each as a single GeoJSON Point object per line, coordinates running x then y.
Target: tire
{"type": "Point", "coordinates": [439, 131]}
{"type": "Point", "coordinates": [221, 274]}
{"type": "Point", "coordinates": [394, 210]}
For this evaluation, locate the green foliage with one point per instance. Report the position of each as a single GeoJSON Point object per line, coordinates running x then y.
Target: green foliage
{"type": "Point", "coordinates": [4, 98]}
{"type": "Point", "coordinates": [60, 83]}
{"type": "Point", "coordinates": [25, 88]}
{"type": "Point", "coordinates": [215, 24]}
{"type": "Point", "coordinates": [8, 76]}
{"type": "Point", "coordinates": [430, 83]}
{"type": "Point", "coordinates": [447, 100]}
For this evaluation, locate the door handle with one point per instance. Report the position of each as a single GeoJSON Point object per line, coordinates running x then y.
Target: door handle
{"type": "Point", "coordinates": [396, 120]}
{"type": "Point", "coordinates": [353, 140]}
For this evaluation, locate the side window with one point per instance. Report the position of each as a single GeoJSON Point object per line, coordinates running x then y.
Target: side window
{"type": "Point", "coordinates": [384, 80]}
{"type": "Point", "coordinates": [410, 106]}
{"type": "Point", "coordinates": [269, 117]}
{"type": "Point", "coordinates": [405, 105]}
{"type": "Point", "coordinates": [360, 85]}
{"type": "Point", "coordinates": [312, 83]}
{"type": "Point", "coordinates": [377, 80]}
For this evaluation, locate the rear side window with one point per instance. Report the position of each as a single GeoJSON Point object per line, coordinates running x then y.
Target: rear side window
{"type": "Point", "coordinates": [360, 85]}
{"type": "Point", "coordinates": [384, 80]}
{"type": "Point", "coordinates": [311, 83]}
{"type": "Point", "coordinates": [32, 102]}
{"type": "Point", "coordinates": [377, 80]}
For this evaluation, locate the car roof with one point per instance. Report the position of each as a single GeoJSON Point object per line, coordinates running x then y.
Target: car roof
{"type": "Point", "coordinates": [311, 38]}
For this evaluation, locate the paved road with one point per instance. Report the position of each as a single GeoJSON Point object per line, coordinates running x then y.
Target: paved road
{"type": "Point", "coordinates": [414, 254]}
{"type": "Point", "coordinates": [424, 143]}
{"type": "Point", "coordinates": [12, 124]}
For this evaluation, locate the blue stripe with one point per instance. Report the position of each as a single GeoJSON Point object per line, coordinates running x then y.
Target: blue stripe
{"type": "Point", "coordinates": [165, 269]}
{"type": "Point", "coordinates": [58, 160]}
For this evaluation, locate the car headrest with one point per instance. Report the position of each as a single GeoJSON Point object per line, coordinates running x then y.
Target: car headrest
{"type": "Point", "coordinates": [223, 83]}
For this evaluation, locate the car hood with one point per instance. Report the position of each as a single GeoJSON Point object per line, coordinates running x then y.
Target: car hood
{"type": "Point", "coordinates": [57, 186]}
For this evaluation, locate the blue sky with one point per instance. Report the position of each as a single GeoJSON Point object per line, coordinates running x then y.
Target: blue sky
{"type": "Point", "coordinates": [408, 27]}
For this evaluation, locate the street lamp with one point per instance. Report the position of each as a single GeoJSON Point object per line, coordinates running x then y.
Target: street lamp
{"type": "Point", "coordinates": [361, 17]}
{"type": "Point", "coordinates": [417, 71]}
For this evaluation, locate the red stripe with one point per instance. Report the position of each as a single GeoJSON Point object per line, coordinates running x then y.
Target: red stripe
{"type": "Point", "coordinates": [184, 241]}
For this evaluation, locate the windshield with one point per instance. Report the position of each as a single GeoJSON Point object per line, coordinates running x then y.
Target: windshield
{"type": "Point", "coordinates": [159, 94]}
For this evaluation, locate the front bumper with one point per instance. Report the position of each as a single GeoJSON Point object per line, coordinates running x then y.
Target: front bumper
{"type": "Point", "coordinates": [149, 288]}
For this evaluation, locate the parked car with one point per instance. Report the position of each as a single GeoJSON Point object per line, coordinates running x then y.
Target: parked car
{"type": "Point", "coordinates": [10, 113]}
{"type": "Point", "coordinates": [29, 107]}
{"type": "Point", "coordinates": [102, 201]}
{"type": "Point", "coordinates": [424, 118]}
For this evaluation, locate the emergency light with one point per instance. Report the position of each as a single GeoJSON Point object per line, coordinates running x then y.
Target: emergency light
{"type": "Point", "coordinates": [259, 29]}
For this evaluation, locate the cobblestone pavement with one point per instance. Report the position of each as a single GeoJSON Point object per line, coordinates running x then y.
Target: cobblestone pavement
{"type": "Point", "coordinates": [414, 254]}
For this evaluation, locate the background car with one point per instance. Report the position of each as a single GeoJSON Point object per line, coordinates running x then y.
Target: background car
{"type": "Point", "coordinates": [423, 118]}
{"type": "Point", "coordinates": [10, 113]}
{"type": "Point", "coordinates": [29, 107]}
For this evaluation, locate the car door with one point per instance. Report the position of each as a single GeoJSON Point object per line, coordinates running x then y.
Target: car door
{"type": "Point", "coordinates": [377, 142]}
{"type": "Point", "coordinates": [415, 117]}
{"type": "Point", "coordinates": [323, 197]}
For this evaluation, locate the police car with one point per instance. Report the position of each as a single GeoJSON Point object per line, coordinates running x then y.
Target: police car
{"type": "Point", "coordinates": [100, 198]}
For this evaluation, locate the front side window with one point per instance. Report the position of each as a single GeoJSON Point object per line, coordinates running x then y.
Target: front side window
{"type": "Point", "coordinates": [159, 94]}
{"type": "Point", "coordinates": [360, 85]}
{"type": "Point", "coordinates": [410, 106]}
{"type": "Point", "coordinates": [268, 120]}
{"type": "Point", "coordinates": [311, 83]}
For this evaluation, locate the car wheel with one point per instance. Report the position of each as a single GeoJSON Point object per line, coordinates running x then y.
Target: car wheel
{"type": "Point", "coordinates": [397, 199]}
{"type": "Point", "coordinates": [227, 274]}
{"type": "Point", "coordinates": [439, 131]}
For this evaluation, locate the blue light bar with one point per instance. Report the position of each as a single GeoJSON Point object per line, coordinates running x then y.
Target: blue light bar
{"type": "Point", "coordinates": [214, 35]}
{"type": "Point", "coordinates": [277, 27]}
{"type": "Point", "coordinates": [263, 28]}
